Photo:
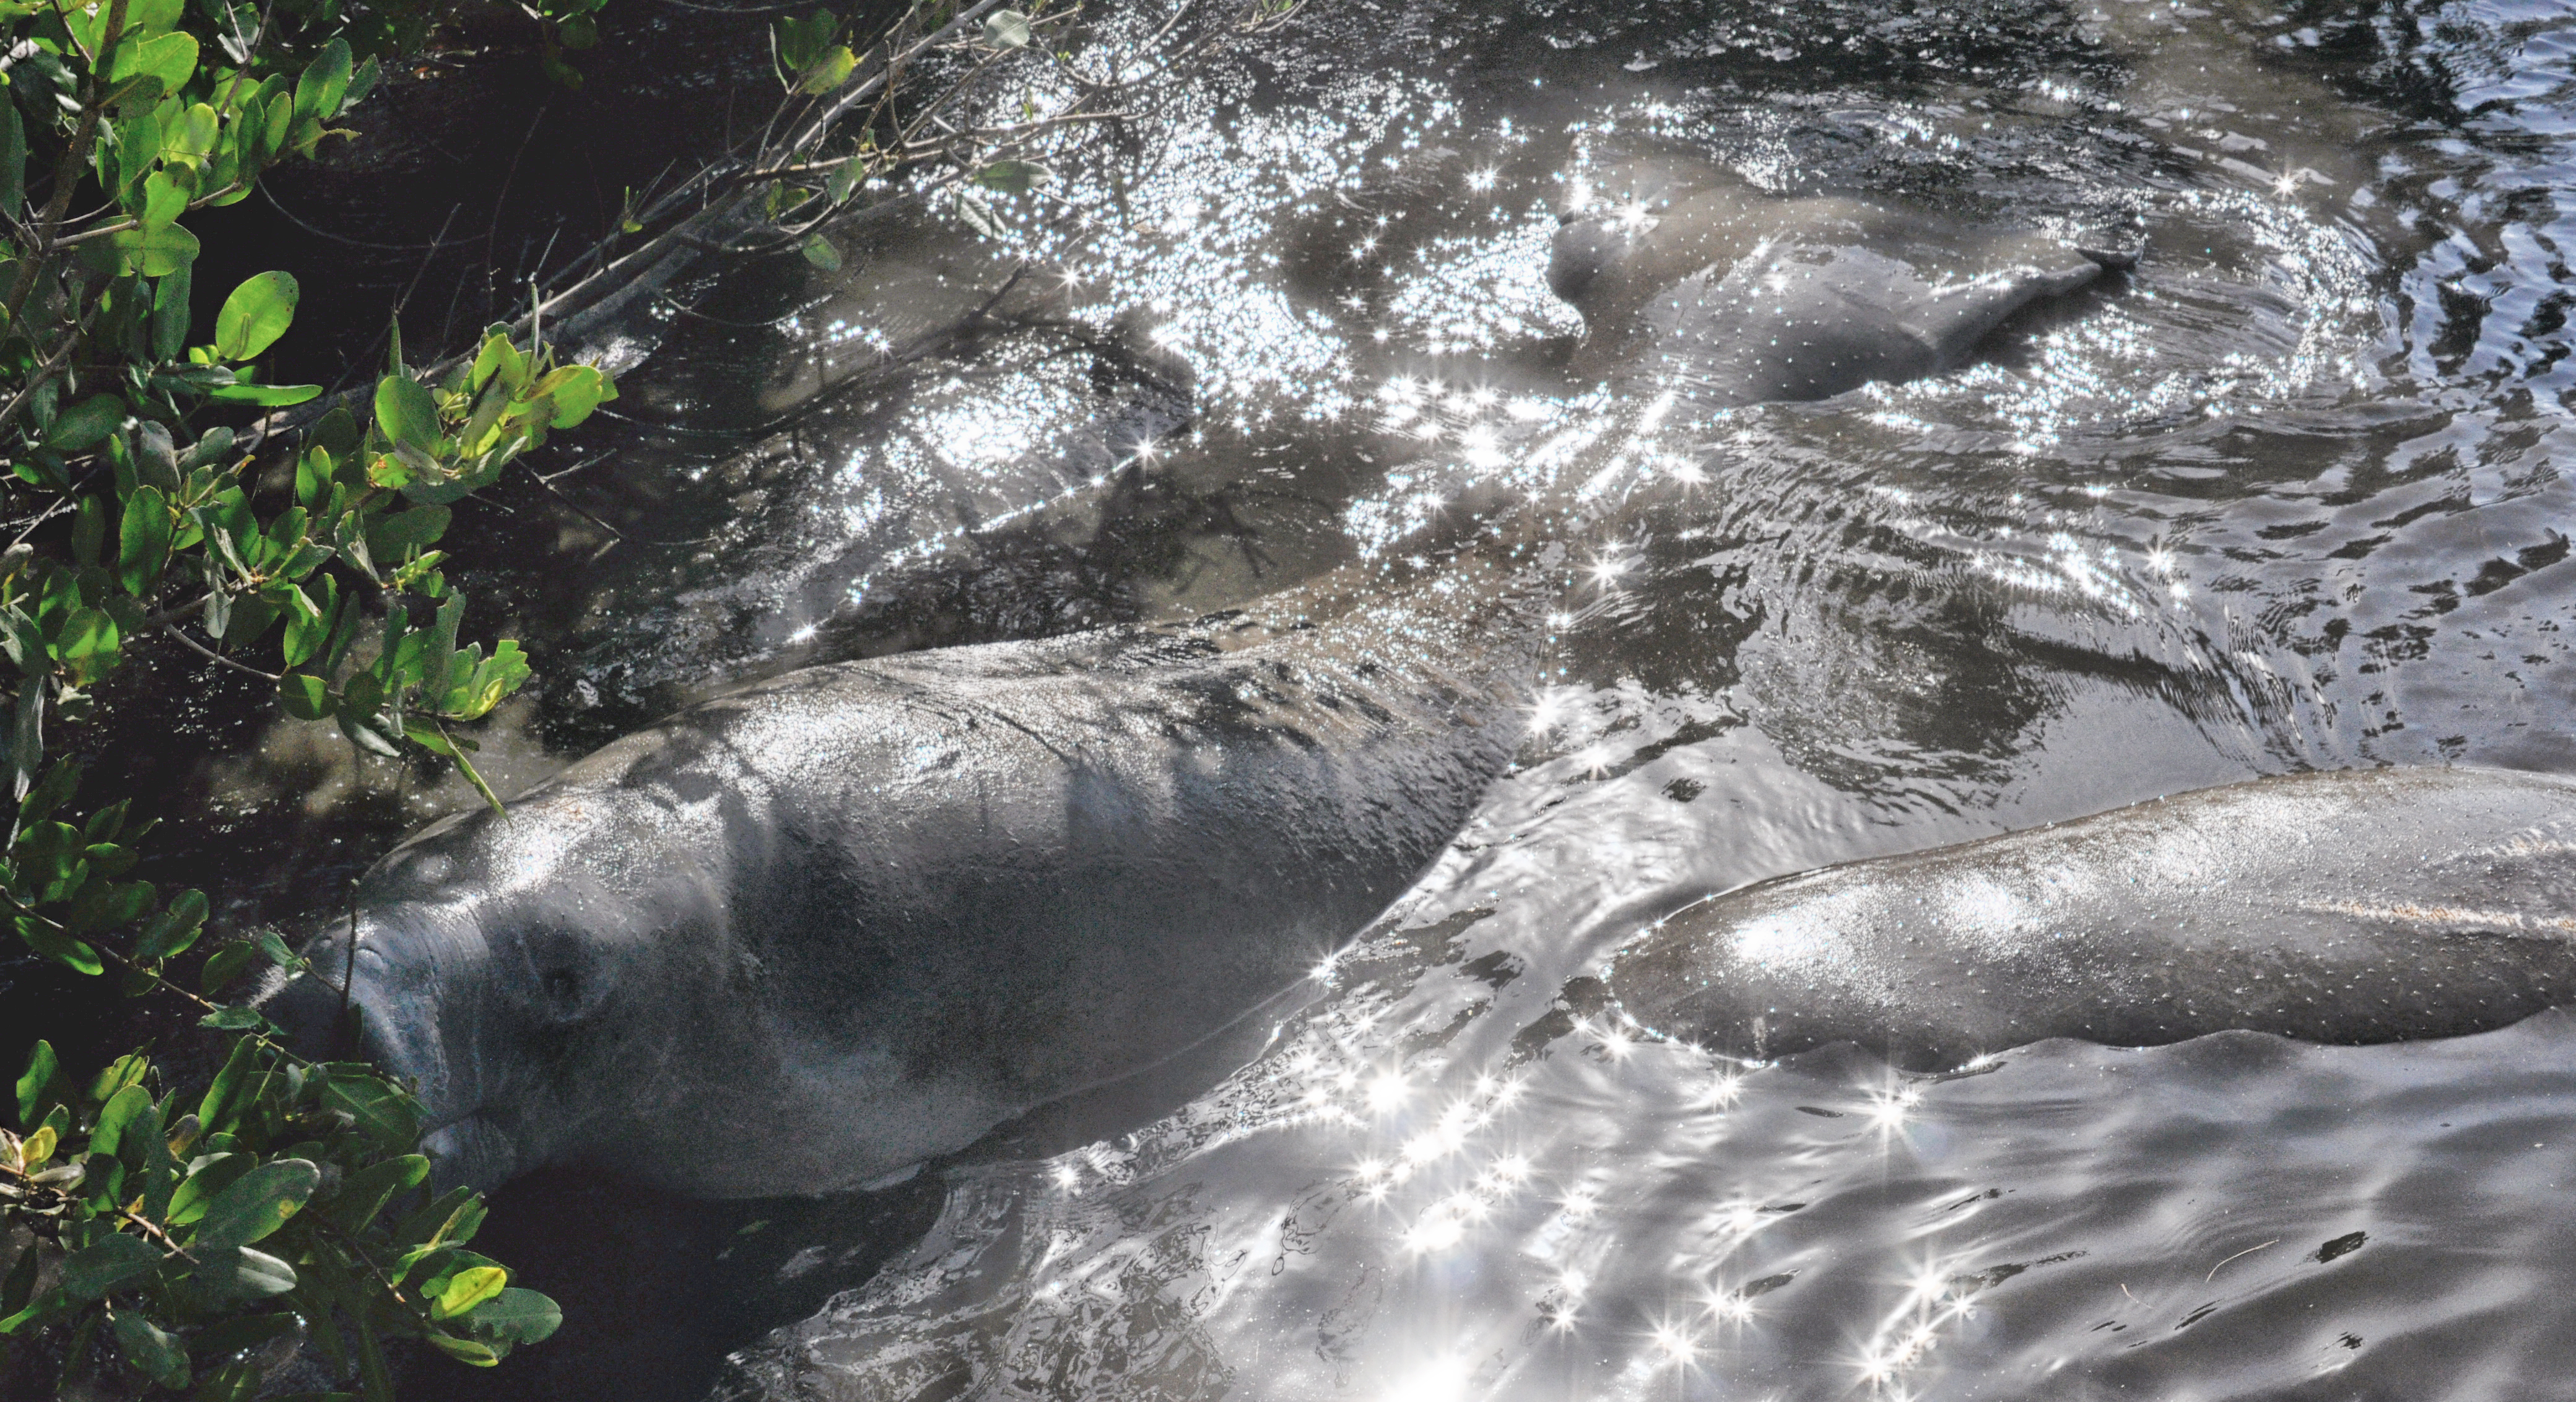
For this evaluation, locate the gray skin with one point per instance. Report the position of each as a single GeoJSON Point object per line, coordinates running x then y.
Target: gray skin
{"type": "Point", "coordinates": [1741, 298]}
{"type": "Point", "coordinates": [2365, 906]}
{"type": "Point", "coordinates": [808, 934]}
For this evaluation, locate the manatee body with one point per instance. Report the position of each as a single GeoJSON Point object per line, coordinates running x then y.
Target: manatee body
{"type": "Point", "coordinates": [1742, 298]}
{"type": "Point", "coordinates": [810, 933]}
{"type": "Point", "coordinates": [2365, 906]}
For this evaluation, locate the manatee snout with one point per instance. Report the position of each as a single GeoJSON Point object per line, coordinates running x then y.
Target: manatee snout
{"type": "Point", "coordinates": [1585, 246]}
{"type": "Point", "coordinates": [417, 1015]}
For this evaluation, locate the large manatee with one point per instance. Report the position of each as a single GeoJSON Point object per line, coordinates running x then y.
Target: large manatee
{"type": "Point", "coordinates": [1743, 298]}
{"type": "Point", "coordinates": [2362, 906]}
{"type": "Point", "coordinates": [821, 929]}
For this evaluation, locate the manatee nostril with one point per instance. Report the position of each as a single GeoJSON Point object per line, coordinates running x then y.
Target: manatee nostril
{"type": "Point", "coordinates": [563, 990]}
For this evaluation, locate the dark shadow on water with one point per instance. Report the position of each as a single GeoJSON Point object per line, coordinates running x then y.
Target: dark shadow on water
{"type": "Point", "coordinates": [656, 1289]}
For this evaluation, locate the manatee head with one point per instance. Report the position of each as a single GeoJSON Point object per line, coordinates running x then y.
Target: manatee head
{"type": "Point", "coordinates": [521, 974]}
{"type": "Point", "coordinates": [1586, 246]}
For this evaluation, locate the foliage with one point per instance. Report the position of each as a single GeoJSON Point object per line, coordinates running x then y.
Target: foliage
{"type": "Point", "coordinates": [189, 1239]}
{"type": "Point", "coordinates": [182, 1243]}
{"type": "Point", "coordinates": [209, 1238]}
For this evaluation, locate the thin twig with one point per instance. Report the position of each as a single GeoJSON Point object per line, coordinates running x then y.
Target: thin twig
{"type": "Point", "coordinates": [2248, 1251]}
{"type": "Point", "coordinates": [349, 974]}
{"type": "Point", "coordinates": [319, 232]}
{"type": "Point", "coordinates": [218, 658]}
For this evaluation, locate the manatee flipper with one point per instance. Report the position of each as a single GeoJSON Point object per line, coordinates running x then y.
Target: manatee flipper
{"type": "Point", "coordinates": [2366, 906]}
{"type": "Point", "coordinates": [1800, 321]}
{"type": "Point", "coordinates": [1952, 320]}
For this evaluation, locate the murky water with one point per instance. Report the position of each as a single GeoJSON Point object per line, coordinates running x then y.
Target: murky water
{"type": "Point", "coordinates": [2282, 497]}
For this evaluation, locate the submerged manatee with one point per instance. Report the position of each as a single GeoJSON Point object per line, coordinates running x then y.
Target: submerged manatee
{"type": "Point", "coordinates": [1745, 298]}
{"type": "Point", "coordinates": [814, 932]}
{"type": "Point", "coordinates": [2364, 906]}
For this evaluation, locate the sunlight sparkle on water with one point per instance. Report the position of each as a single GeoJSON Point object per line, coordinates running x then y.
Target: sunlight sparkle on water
{"type": "Point", "coordinates": [1388, 1091]}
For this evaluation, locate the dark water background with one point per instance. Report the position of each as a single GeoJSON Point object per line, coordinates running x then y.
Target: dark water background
{"type": "Point", "coordinates": [2284, 497]}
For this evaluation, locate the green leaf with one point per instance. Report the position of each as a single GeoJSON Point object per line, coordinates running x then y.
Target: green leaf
{"type": "Point", "coordinates": [38, 1085]}
{"type": "Point", "coordinates": [225, 965]}
{"type": "Point", "coordinates": [305, 696]}
{"type": "Point", "coordinates": [143, 541]}
{"type": "Point", "coordinates": [169, 933]}
{"type": "Point", "coordinates": [845, 178]}
{"type": "Point", "coordinates": [233, 1018]}
{"type": "Point", "coordinates": [156, 252]}
{"type": "Point", "coordinates": [466, 1289]}
{"type": "Point", "coordinates": [170, 315]}
{"type": "Point", "coordinates": [265, 396]}
{"type": "Point", "coordinates": [465, 1350]}
{"type": "Point", "coordinates": [144, 18]}
{"type": "Point", "coordinates": [215, 1109]}
{"type": "Point", "coordinates": [361, 83]}
{"type": "Point", "coordinates": [122, 1110]}
{"type": "Point", "coordinates": [318, 94]}
{"type": "Point", "coordinates": [367, 731]}
{"type": "Point", "coordinates": [209, 1174]}
{"type": "Point", "coordinates": [308, 625]}
{"type": "Point", "coordinates": [272, 946]}
{"type": "Point", "coordinates": [151, 1351]}
{"type": "Point", "coordinates": [22, 640]}
{"type": "Point", "coordinates": [27, 746]}
{"type": "Point", "coordinates": [108, 1263]}
{"type": "Point", "coordinates": [578, 389]}
{"type": "Point", "coordinates": [819, 251]}
{"type": "Point", "coordinates": [800, 42]}
{"type": "Point", "coordinates": [387, 1114]}
{"type": "Point", "coordinates": [190, 136]}
{"type": "Point", "coordinates": [405, 413]}
{"type": "Point", "coordinates": [1007, 28]}
{"type": "Point", "coordinates": [167, 61]}
{"type": "Point", "coordinates": [88, 645]}
{"type": "Point", "coordinates": [86, 424]}
{"type": "Point", "coordinates": [89, 530]}
{"type": "Point", "coordinates": [258, 1203]}
{"type": "Point", "coordinates": [57, 944]}
{"type": "Point", "coordinates": [164, 200]}
{"type": "Point", "coordinates": [126, 1070]}
{"type": "Point", "coordinates": [499, 357]}
{"type": "Point", "coordinates": [517, 1316]}
{"type": "Point", "coordinates": [104, 905]}
{"type": "Point", "coordinates": [1012, 177]}
{"type": "Point", "coordinates": [364, 1193]}
{"type": "Point", "coordinates": [451, 1216]}
{"type": "Point", "coordinates": [828, 71]}
{"type": "Point", "coordinates": [255, 315]}
{"type": "Point", "coordinates": [238, 1270]}
{"type": "Point", "coordinates": [405, 531]}
{"type": "Point", "coordinates": [13, 160]}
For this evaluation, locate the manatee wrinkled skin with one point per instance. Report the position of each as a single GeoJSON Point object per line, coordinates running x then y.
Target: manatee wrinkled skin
{"type": "Point", "coordinates": [1746, 299]}
{"type": "Point", "coordinates": [2354, 907]}
{"type": "Point", "coordinates": [816, 931]}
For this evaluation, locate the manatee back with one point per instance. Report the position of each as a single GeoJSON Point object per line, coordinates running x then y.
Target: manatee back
{"type": "Point", "coordinates": [2353, 907]}
{"type": "Point", "coordinates": [1805, 321]}
{"type": "Point", "coordinates": [974, 880]}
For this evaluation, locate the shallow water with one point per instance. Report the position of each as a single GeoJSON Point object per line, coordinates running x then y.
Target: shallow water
{"type": "Point", "coordinates": [2281, 498]}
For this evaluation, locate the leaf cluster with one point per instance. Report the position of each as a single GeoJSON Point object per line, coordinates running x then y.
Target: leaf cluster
{"type": "Point", "coordinates": [191, 1239]}
{"type": "Point", "coordinates": [196, 1243]}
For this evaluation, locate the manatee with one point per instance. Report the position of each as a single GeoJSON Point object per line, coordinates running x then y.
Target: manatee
{"type": "Point", "coordinates": [808, 934]}
{"type": "Point", "coordinates": [2353, 907]}
{"type": "Point", "coordinates": [1743, 298]}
